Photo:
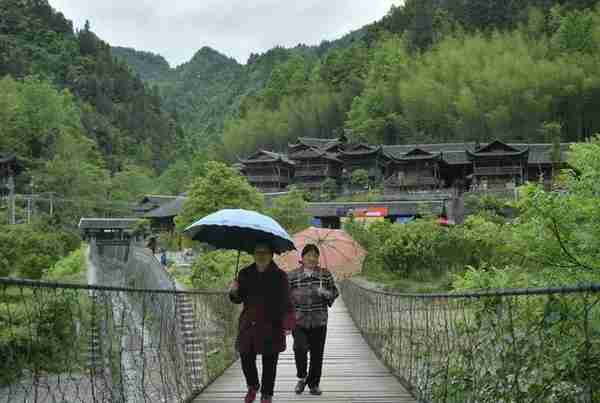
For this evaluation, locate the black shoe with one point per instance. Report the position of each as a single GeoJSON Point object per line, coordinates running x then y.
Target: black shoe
{"type": "Point", "coordinates": [315, 390]}
{"type": "Point", "coordinates": [300, 386]}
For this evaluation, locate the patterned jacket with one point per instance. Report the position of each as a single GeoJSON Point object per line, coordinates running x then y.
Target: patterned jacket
{"type": "Point", "coordinates": [311, 307]}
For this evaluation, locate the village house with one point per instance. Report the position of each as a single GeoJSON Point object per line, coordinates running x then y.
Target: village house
{"type": "Point", "coordinates": [267, 171]}
{"type": "Point", "coordinates": [407, 168]}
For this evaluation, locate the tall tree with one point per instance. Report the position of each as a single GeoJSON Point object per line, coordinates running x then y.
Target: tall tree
{"type": "Point", "coordinates": [221, 187]}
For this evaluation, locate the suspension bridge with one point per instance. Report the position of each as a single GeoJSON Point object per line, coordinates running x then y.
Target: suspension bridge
{"type": "Point", "coordinates": [133, 335]}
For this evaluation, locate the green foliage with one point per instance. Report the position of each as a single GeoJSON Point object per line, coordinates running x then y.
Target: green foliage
{"type": "Point", "coordinates": [177, 178]}
{"type": "Point", "coordinates": [576, 32]}
{"type": "Point", "coordinates": [216, 270]}
{"type": "Point", "coordinates": [290, 211]}
{"type": "Point", "coordinates": [148, 65]}
{"type": "Point", "coordinates": [360, 177]}
{"type": "Point", "coordinates": [142, 227]}
{"type": "Point", "coordinates": [119, 113]}
{"type": "Point", "coordinates": [37, 332]}
{"type": "Point", "coordinates": [130, 183]}
{"type": "Point", "coordinates": [554, 240]}
{"type": "Point", "coordinates": [423, 251]}
{"type": "Point", "coordinates": [170, 241]}
{"type": "Point", "coordinates": [34, 115]}
{"type": "Point", "coordinates": [329, 188]}
{"type": "Point", "coordinates": [480, 204]}
{"type": "Point", "coordinates": [28, 252]}
{"type": "Point", "coordinates": [221, 187]}
{"type": "Point", "coordinates": [70, 268]}
{"type": "Point", "coordinates": [466, 90]}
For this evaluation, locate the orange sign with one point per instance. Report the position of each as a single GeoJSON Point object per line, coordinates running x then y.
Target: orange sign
{"type": "Point", "coordinates": [371, 212]}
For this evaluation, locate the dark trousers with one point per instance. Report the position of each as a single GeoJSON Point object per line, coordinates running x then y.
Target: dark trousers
{"type": "Point", "coordinates": [269, 363]}
{"type": "Point", "coordinates": [309, 340]}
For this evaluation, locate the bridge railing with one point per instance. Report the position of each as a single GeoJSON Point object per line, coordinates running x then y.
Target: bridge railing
{"type": "Point", "coordinates": [538, 345]}
{"type": "Point", "coordinates": [79, 343]}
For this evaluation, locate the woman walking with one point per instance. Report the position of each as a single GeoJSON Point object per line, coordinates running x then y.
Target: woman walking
{"type": "Point", "coordinates": [313, 292]}
{"type": "Point", "coordinates": [268, 314]}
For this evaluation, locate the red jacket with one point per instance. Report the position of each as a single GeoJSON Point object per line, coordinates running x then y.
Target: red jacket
{"type": "Point", "coordinates": [268, 310]}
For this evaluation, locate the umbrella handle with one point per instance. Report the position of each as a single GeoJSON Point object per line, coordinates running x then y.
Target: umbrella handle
{"type": "Point", "coordinates": [237, 265]}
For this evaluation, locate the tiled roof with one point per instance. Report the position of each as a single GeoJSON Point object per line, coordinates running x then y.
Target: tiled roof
{"type": "Point", "coordinates": [319, 143]}
{"type": "Point", "coordinates": [419, 157]}
{"type": "Point", "coordinates": [455, 153]}
{"type": "Point", "coordinates": [157, 200]}
{"type": "Point", "coordinates": [266, 156]}
{"type": "Point", "coordinates": [107, 223]}
{"type": "Point", "coordinates": [170, 209]}
{"type": "Point", "coordinates": [360, 149]}
{"type": "Point", "coordinates": [315, 153]}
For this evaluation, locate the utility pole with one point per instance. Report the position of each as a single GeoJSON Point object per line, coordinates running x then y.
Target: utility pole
{"type": "Point", "coordinates": [51, 204]}
{"type": "Point", "coordinates": [28, 209]}
{"type": "Point", "coordinates": [11, 198]}
{"type": "Point", "coordinates": [29, 202]}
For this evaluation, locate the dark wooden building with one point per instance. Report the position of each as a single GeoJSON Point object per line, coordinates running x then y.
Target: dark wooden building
{"type": "Point", "coordinates": [425, 167]}
{"type": "Point", "coordinates": [498, 165]}
{"type": "Point", "coordinates": [107, 229]}
{"type": "Point", "coordinates": [495, 165]}
{"type": "Point", "coordinates": [152, 202]}
{"type": "Point", "coordinates": [268, 171]}
{"type": "Point", "coordinates": [162, 219]}
{"type": "Point", "coordinates": [306, 143]}
{"type": "Point", "coordinates": [10, 167]}
{"type": "Point", "coordinates": [544, 161]}
{"type": "Point", "coordinates": [313, 166]}
{"type": "Point", "coordinates": [415, 170]}
{"type": "Point", "coordinates": [362, 156]}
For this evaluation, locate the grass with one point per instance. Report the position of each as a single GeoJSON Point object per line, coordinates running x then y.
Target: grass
{"type": "Point", "coordinates": [395, 282]}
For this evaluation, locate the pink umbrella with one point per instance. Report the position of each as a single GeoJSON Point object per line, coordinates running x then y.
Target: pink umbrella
{"type": "Point", "coordinates": [339, 253]}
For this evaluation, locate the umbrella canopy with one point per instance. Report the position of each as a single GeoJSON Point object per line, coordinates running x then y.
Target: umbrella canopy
{"type": "Point", "coordinates": [240, 230]}
{"type": "Point", "coordinates": [339, 252]}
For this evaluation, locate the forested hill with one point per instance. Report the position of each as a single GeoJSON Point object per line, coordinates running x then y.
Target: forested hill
{"type": "Point", "coordinates": [428, 71]}
{"type": "Point", "coordinates": [83, 124]}
{"type": "Point", "coordinates": [207, 90]}
{"type": "Point", "coordinates": [149, 66]}
{"type": "Point", "coordinates": [117, 111]}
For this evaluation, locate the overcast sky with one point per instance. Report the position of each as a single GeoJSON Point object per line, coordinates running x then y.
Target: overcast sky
{"type": "Point", "coordinates": [176, 29]}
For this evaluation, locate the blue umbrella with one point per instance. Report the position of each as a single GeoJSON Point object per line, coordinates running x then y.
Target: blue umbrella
{"type": "Point", "coordinates": [240, 230]}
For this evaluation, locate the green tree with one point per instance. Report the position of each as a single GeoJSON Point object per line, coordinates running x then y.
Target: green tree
{"type": "Point", "coordinates": [76, 173]}
{"type": "Point", "coordinates": [567, 243]}
{"type": "Point", "coordinates": [329, 188]}
{"type": "Point", "coordinates": [290, 211]}
{"type": "Point", "coordinates": [576, 32]}
{"type": "Point", "coordinates": [216, 269]}
{"type": "Point", "coordinates": [360, 177]}
{"type": "Point", "coordinates": [221, 187]}
{"type": "Point", "coordinates": [27, 252]}
{"type": "Point", "coordinates": [130, 183]}
{"type": "Point", "coordinates": [177, 178]}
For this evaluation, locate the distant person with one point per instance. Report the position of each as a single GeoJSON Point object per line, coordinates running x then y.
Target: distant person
{"type": "Point", "coordinates": [267, 316]}
{"type": "Point", "coordinates": [152, 244]}
{"type": "Point", "coordinates": [313, 292]}
{"type": "Point", "coordinates": [163, 258]}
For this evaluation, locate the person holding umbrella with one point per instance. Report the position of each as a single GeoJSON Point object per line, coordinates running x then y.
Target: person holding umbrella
{"type": "Point", "coordinates": [267, 316]}
{"type": "Point", "coordinates": [313, 292]}
{"type": "Point", "coordinates": [268, 313]}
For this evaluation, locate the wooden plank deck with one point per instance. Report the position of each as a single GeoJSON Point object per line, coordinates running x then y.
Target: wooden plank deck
{"type": "Point", "coordinates": [351, 372]}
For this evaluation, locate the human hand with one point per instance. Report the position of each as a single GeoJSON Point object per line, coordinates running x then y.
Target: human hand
{"type": "Point", "coordinates": [323, 292]}
{"type": "Point", "coordinates": [235, 285]}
